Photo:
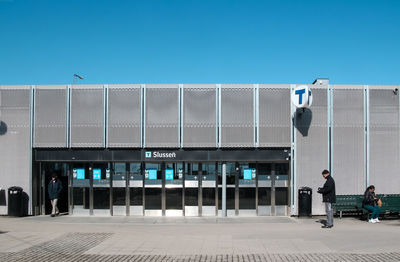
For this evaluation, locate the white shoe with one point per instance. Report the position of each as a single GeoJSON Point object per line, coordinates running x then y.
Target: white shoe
{"type": "Point", "coordinates": [377, 220]}
{"type": "Point", "coordinates": [372, 221]}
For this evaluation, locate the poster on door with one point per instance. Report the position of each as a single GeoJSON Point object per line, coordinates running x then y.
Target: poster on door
{"type": "Point", "coordinates": [169, 174]}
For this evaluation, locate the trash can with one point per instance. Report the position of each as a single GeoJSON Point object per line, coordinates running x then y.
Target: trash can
{"type": "Point", "coordinates": [305, 197]}
{"type": "Point", "coordinates": [16, 202]}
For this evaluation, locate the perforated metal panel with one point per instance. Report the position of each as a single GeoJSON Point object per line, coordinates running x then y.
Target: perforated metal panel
{"type": "Point", "coordinates": [274, 116]}
{"type": "Point", "coordinates": [384, 139]}
{"type": "Point", "coordinates": [237, 116]}
{"type": "Point", "coordinates": [348, 142]}
{"type": "Point", "coordinates": [124, 116]}
{"type": "Point", "coordinates": [87, 116]}
{"type": "Point", "coordinates": [162, 116]}
{"type": "Point", "coordinates": [312, 146]}
{"type": "Point", "coordinates": [50, 116]}
{"type": "Point", "coordinates": [15, 138]}
{"type": "Point", "coordinates": [199, 116]}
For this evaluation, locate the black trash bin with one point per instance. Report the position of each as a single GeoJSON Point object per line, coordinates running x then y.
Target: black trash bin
{"type": "Point", "coordinates": [16, 202]}
{"type": "Point", "coordinates": [305, 197]}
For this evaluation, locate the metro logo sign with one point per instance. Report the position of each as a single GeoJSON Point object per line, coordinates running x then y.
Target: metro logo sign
{"type": "Point", "coordinates": [301, 96]}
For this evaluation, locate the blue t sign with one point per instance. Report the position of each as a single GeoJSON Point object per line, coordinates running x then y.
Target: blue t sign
{"type": "Point", "coordinates": [300, 93]}
{"type": "Point", "coordinates": [301, 96]}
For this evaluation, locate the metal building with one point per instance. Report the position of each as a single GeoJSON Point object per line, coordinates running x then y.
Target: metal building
{"type": "Point", "coordinates": [195, 149]}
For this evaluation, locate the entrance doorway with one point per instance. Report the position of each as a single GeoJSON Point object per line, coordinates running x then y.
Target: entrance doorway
{"type": "Point", "coordinates": [47, 170]}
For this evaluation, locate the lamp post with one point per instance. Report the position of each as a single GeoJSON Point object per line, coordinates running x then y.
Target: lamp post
{"type": "Point", "coordinates": [75, 77]}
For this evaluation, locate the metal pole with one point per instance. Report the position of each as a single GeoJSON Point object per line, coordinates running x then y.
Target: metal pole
{"type": "Point", "coordinates": [224, 189]}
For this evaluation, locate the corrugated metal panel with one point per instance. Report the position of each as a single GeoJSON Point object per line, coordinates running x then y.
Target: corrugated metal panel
{"type": "Point", "coordinates": [87, 116]}
{"type": "Point", "coordinates": [348, 140]}
{"type": "Point", "coordinates": [312, 146]}
{"type": "Point", "coordinates": [15, 138]}
{"type": "Point", "coordinates": [237, 116]}
{"type": "Point", "coordinates": [199, 116]}
{"type": "Point", "coordinates": [274, 116]}
{"type": "Point", "coordinates": [162, 116]}
{"type": "Point", "coordinates": [50, 116]}
{"type": "Point", "coordinates": [124, 116]}
{"type": "Point", "coordinates": [384, 139]}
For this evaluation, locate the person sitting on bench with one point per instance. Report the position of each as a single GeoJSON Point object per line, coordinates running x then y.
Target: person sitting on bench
{"type": "Point", "coordinates": [372, 203]}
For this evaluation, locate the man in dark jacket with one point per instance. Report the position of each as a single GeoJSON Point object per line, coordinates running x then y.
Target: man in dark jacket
{"type": "Point", "coordinates": [328, 197]}
{"type": "Point", "coordinates": [54, 190]}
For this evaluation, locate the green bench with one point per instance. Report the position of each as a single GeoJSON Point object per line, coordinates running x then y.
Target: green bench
{"type": "Point", "coordinates": [353, 204]}
{"type": "Point", "coordinates": [349, 204]}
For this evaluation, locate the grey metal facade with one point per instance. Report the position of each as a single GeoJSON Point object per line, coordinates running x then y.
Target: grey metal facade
{"type": "Point", "coordinates": [237, 116]}
{"type": "Point", "coordinates": [352, 130]}
{"type": "Point", "coordinates": [312, 145]}
{"type": "Point", "coordinates": [50, 112]}
{"type": "Point", "coordinates": [274, 116]}
{"type": "Point", "coordinates": [348, 139]}
{"type": "Point", "coordinates": [124, 116]}
{"type": "Point", "coordinates": [87, 116]}
{"type": "Point", "coordinates": [384, 162]}
{"type": "Point", "coordinates": [15, 156]}
{"type": "Point", "coordinates": [199, 116]}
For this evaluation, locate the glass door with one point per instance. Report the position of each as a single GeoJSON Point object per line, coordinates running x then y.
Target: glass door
{"type": "Point", "coordinates": [173, 176]}
{"type": "Point", "coordinates": [101, 181]}
{"type": "Point", "coordinates": [247, 189]}
{"type": "Point", "coordinates": [119, 195]}
{"type": "Point", "coordinates": [282, 185]}
{"type": "Point", "coordinates": [80, 189]}
{"type": "Point", "coordinates": [136, 189]}
{"type": "Point", "coordinates": [232, 204]}
{"type": "Point", "coordinates": [192, 174]}
{"type": "Point", "coordinates": [208, 189]}
{"type": "Point", "coordinates": [264, 176]}
{"type": "Point", "coordinates": [153, 188]}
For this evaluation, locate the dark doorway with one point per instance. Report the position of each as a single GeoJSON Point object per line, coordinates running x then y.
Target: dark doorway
{"type": "Point", "coordinates": [61, 170]}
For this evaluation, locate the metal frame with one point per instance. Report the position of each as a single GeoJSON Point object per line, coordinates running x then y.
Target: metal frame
{"type": "Point", "coordinates": [144, 116]}
{"type": "Point", "coordinates": [367, 132]}
{"type": "Point", "coordinates": [31, 142]}
{"type": "Point", "coordinates": [256, 114]}
{"type": "Point", "coordinates": [219, 104]}
{"type": "Point", "coordinates": [105, 114]}
{"type": "Point", "coordinates": [330, 129]}
{"type": "Point", "coordinates": [69, 100]}
{"type": "Point", "coordinates": [293, 155]}
{"type": "Point", "coordinates": [180, 116]}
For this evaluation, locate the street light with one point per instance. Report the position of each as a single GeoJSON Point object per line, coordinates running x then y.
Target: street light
{"type": "Point", "coordinates": [77, 76]}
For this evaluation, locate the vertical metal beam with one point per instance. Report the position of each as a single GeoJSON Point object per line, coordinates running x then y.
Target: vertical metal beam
{"type": "Point", "coordinates": [367, 133]}
{"type": "Point", "coordinates": [330, 129]}
{"type": "Point", "coordinates": [31, 143]}
{"type": "Point", "coordinates": [144, 115]}
{"type": "Point", "coordinates": [219, 115]}
{"type": "Point", "coordinates": [293, 155]}
{"type": "Point", "coordinates": [105, 115]}
{"type": "Point", "coordinates": [180, 110]}
{"type": "Point", "coordinates": [216, 116]}
{"type": "Point", "coordinates": [256, 113]}
{"type": "Point", "coordinates": [68, 127]}
{"type": "Point", "coordinates": [224, 213]}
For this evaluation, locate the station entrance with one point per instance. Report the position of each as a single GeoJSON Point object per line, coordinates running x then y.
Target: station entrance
{"type": "Point", "coordinates": [168, 188]}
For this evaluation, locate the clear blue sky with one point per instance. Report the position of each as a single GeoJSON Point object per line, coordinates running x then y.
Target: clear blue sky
{"type": "Point", "coordinates": [203, 41]}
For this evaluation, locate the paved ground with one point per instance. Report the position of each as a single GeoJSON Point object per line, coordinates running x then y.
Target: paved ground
{"type": "Point", "coordinates": [68, 238]}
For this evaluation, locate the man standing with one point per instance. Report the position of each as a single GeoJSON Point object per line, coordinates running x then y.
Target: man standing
{"type": "Point", "coordinates": [328, 197]}
{"type": "Point", "coordinates": [54, 190]}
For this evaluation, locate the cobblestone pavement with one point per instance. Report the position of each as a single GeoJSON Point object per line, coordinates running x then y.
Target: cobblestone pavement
{"type": "Point", "coordinates": [72, 247]}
